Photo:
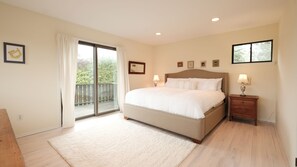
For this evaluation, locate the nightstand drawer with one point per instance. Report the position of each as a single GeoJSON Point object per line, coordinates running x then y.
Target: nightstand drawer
{"type": "Point", "coordinates": [243, 107]}
{"type": "Point", "coordinates": [243, 115]}
{"type": "Point", "coordinates": [238, 102]}
{"type": "Point", "coordinates": [243, 111]}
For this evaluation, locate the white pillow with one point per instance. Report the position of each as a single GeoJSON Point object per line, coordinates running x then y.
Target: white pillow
{"type": "Point", "coordinates": [209, 84]}
{"type": "Point", "coordinates": [187, 84]}
{"type": "Point", "coordinates": [195, 83]}
{"type": "Point", "coordinates": [219, 84]}
{"type": "Point", "coordinates": [180, 83]}
{"type": "Point", "coordinates": [171, 83]}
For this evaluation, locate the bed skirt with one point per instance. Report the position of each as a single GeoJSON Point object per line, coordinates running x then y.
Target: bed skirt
{"type": "Point", "coordinates": [196, 129]}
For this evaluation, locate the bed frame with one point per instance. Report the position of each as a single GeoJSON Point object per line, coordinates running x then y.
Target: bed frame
{"type": "Point", "coordinates": [196, 129]}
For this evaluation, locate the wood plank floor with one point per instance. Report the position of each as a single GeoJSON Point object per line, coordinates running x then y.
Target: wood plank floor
{"type": "Point", "coordinates": [231, 144]}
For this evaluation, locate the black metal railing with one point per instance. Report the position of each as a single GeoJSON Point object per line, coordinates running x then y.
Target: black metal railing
{"type": "Point", "coordinates": [84, 93]}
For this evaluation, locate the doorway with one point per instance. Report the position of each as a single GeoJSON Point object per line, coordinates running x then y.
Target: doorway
{"type": "Point", "coordinates": [96, 80]}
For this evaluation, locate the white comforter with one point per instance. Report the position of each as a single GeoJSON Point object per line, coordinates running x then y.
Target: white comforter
{"type": "Point", "coordinates": [189, 103]}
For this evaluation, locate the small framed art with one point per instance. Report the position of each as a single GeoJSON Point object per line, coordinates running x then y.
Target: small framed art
{"type": "Point", "coordinates": [216, 63]}
{"type": "Point", "coordinates": [190, 64]}
{"type": "Point", "coordinates": [14, 53]}
{"type": "Point", "coordinates": [180, 64]}
{"type": "Point", "coordinates": [203, 63]}
{"type": "Point", "coordinates": [136, 67]}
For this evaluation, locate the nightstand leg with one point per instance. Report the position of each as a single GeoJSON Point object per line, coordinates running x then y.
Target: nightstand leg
{"type": "Point", "coordinates": [255, 122]}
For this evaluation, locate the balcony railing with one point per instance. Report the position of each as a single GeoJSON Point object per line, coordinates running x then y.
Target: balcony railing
{"type": "Point", "coordinates": [84, 93]}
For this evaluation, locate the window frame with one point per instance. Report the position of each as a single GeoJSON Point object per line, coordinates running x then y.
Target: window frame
{"type": "Point", "coordinates": [251, 51]}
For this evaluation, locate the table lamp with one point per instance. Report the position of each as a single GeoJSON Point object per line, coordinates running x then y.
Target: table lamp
{"type": "Point", "coordinates": [156, 80]}
{"type": "Point", "coordinates": [242, 80]}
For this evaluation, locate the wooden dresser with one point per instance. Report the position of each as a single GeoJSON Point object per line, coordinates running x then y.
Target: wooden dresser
{"type": "Point", "coordinates": [243, 107]}
{"type": "Point", "coordinates": [10, 154]}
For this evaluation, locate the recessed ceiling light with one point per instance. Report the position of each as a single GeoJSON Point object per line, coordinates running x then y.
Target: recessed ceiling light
{"type": "Point", "coordinates": [215, 19]}
{"type": "Point", "coordinates": [158, 33]}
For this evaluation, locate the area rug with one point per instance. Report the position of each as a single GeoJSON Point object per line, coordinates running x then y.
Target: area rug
{"type": "Point", "coordinates": [115, 142]}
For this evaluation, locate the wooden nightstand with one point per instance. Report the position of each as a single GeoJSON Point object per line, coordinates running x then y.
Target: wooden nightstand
{"type": "Point", "coordinates": [243, 107]}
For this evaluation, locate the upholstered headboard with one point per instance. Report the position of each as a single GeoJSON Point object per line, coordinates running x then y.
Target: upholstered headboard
{"type": "Point", "coordinates": [196, 73]}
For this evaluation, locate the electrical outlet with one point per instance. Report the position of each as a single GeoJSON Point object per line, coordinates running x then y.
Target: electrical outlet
{"type": "Point", "coordinates": [20, 117]}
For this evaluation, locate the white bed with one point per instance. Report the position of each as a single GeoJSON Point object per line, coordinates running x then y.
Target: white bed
{"type": "Point", "coordinates": [184, 102]}
{"type": "Point", "coordinates": [194, 124]}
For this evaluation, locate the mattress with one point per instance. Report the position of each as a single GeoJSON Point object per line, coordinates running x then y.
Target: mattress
{"type": "Point", "coordinates": [184, 102]}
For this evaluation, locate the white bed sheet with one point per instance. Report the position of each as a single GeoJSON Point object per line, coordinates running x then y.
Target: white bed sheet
{"type": "Point", "coordinates": [189, 103]}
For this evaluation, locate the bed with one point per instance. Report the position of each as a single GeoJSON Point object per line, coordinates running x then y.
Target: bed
{"type": "Point", "coordinates": [196, 129]}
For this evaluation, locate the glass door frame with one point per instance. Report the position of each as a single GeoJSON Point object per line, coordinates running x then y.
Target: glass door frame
{"type": "Point", "coordinates": [95, 73]}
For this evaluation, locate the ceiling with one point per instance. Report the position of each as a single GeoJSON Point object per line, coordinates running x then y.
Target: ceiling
{"type": "Point", "coordinates": [177, 20]}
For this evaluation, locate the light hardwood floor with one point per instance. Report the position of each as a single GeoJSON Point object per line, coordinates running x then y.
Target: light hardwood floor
{"type": "Point", "coordinates": [231, 144]}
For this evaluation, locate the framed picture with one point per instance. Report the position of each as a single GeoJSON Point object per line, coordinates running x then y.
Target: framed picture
{"type": "Point", "coordinates": [203, 63]}
{"type": "Point", "coordinates": [190, 64]}
{"type": "Point", "coordinates": [216, 63]}
{"type": "Point", "coordinates": [136, 67]}
{"type": "Point", "coordinates": [14, 53]}
{"type": "Point", "coordinates": [180, 64]}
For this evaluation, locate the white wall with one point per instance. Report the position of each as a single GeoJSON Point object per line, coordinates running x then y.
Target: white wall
{"type": "Point", "coordinates": [263, 75]}
{"type": "Point", "coordinates": [287, 93]}
{"type": "Point", "coordinates": [31, 89]}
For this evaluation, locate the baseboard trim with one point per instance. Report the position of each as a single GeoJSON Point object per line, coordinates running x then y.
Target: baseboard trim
{"type": "Point", "coordinates": [36, 132]}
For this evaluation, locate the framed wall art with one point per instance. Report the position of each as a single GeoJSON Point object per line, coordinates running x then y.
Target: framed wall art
{"type": "Point", "coordinates": [136, 67]}
{"type": "Point", "coordinates": [180, 64]}
{"type": "Point", "coordinates": [14, 53]}
{"type": "Point", "coordinates": [203, 63]}
{"type": "Point", "coordinates": [216, 63]}
{"type": "Point", "coordinates": [190, 64]}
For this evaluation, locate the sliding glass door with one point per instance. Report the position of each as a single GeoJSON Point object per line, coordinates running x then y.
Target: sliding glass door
{"type": "Point", "coordinates": [84, 93]}
{"type": "Point", "coordinates": [107, 80]}
{"type": "Point", "coordinates": [96, 85]}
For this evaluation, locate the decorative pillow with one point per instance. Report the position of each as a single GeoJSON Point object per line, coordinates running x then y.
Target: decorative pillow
{"type": "Point", "coordinates": [171, 83]}
{"type": "Point", "coordinates": [195, 83]}
{"type": "Point", "coordinates": [219, 84]}
{"type": "Point", "coordinates": [180, 83]}
{"type": "Point", "coordinates": [186, 84]}
{"type": "Point", "coordinates": [209, 84]}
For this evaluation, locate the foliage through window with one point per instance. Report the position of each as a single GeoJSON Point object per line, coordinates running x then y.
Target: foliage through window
{"type": "Point", "coordinates": [106, 65]}
{"type": "Point", "coordinates": [253, 52]}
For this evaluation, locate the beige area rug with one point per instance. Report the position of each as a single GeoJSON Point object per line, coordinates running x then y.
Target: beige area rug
{"type": "Point", "coordinates": [115, 142]}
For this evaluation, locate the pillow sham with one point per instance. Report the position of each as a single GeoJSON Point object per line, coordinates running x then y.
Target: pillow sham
{"type": "Point", "coordinates": [195, 83]}
{"type": "Point", "coordinates": [171, 83]}
{"type": "Point", "coordinates": [180, 83]}
{"type": "Point", "coordinates": [209, 84]}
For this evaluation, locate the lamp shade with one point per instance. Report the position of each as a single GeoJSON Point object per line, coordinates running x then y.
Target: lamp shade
{"type": "Point", "coordinates": [156, 78]}
{"type": "Point", "coordinates": [243, 79]}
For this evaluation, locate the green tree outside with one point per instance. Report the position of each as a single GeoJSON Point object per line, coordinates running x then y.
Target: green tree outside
{"type": "Point", "coordinates": [107, 72]}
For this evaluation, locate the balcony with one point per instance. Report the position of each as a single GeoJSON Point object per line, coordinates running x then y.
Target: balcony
{"type": "Point", "coordinates": [84, 99]}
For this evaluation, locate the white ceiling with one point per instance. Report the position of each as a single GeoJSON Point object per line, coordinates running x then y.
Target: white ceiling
{"type": "Point", "coordinates": [177, 20]}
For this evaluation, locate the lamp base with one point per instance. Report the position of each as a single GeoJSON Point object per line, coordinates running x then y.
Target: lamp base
{"type": "Point", "coordinates": [242, 88]}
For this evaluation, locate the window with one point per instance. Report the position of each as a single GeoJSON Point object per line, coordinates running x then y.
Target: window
{"type": "Point", "coordinates": [254, 52]}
